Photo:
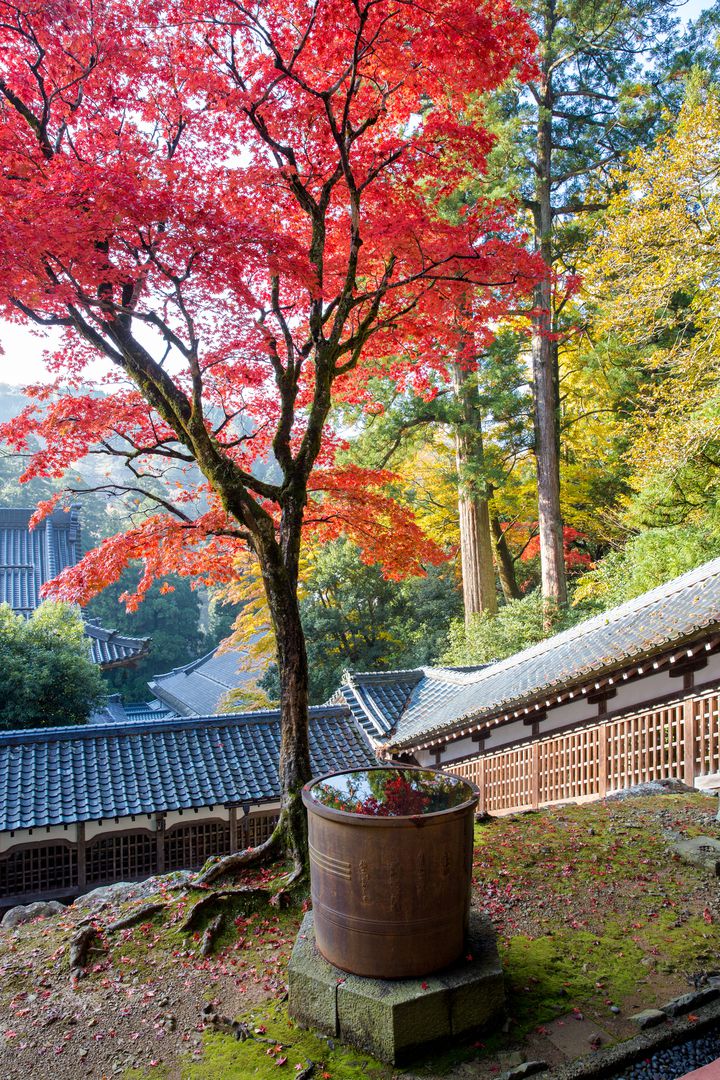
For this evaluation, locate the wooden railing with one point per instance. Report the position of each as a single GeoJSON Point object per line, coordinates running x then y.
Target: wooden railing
{"type": "Point", "coordinates": [680, 740]}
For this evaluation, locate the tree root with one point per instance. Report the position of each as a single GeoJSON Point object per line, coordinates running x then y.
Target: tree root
{"type": "Point", "coordinates": [81, 944]}
{"type": "Point", "coordinates": [297, 876]}
{"type": "Point", "coordinates": [217, 896]}
{"type": "Point", "coordinates": [239, 859]}
{"type": "Point", "coordinates": [212, 931]}
{"type": "Point", "coordinates": [139, 915]}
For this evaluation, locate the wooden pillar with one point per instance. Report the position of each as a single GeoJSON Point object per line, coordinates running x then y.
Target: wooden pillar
{"type": "Point", "coordinates": [690, 730]}
{"type": "Point", "coordinates": [602, 765]}
{"type": "Point", "coordinates": [81, 855]}
{"type": "Point", "coordinates": [233, 830]}
{"type": "Point", "coordinates": [482, 803]}
{"type": "Point", "coordinates": [535, 776]}
{"type": "Point", "coordinates": [160, 843]}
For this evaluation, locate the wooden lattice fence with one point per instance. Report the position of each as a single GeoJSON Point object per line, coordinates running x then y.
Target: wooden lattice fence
{"type": "Point", "coordinates": [680, 740]}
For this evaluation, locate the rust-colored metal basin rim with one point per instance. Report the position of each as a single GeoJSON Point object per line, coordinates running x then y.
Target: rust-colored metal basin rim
{"type": "Point", "coordinates": [384, 796]}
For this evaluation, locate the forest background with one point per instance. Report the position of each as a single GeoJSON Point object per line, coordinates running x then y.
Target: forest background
{"type": "Point", "coordinates": [575, 462]}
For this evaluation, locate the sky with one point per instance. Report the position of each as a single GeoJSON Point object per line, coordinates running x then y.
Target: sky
{"type": "Point", "coordinates": [21, 352]}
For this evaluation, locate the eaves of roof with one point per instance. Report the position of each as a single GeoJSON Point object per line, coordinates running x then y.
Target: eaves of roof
{"type": "Point", "coordinates": [444, 701]}
{"type": "Point", "coordinates": [57, 776]}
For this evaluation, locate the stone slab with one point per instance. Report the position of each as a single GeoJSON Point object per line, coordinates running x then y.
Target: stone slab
{"type": "Point", "coordinates": [687, 1003]}
{"type": "Point", "coordinates": [703, 851]}
{"type": "Point", "coordinates": [649, 1018]}
{"type": "Point", "coordinates": [312, 983]}
{"type": "Point", "coordinates": [574, 1037]}
{"type": "Point", "coordinates": [394, 1019]}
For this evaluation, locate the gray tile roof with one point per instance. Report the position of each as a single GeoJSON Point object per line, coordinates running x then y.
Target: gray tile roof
{"type": "Point", "coordinates": [28, 559]}
{"type": "Point", "coordinates": [377, 700]}
{"type": "Point", "coordinates": [109, 649]}
{"type": "Point", "coordinates": [31, 558]}
{"type": "Point", "coordinates": [198, 689]}
{"type": "Point", "coordinates": [443, 699]}
{"type": "Point", "coordinates": [116, 711]}
{"type": "Point", "coordinates": [62, 775]}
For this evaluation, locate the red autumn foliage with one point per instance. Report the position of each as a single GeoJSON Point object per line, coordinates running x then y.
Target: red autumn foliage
{"type": "Point", "coordinates": [575, 557]}
{"type": "Point", "coordinates": [162, 163]}
{"type": "Point", "coordinates": [238, 206]}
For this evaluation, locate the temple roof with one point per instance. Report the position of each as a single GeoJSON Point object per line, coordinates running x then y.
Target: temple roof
{"type": "Point", "coordinates": [54, 776]}
{"type": "Point", "coordinates": [31, 558]}
{"type": "Point", "coordinates": [440, 701]}
{"type": "Point", "coordinates": [200, 687]}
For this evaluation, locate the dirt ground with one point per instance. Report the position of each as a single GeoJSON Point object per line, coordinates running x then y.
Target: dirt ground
{"type": "Point", "coordinates": [596, 920]}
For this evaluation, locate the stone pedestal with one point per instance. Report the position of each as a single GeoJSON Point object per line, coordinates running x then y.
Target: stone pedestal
{"type": "Point", "coordinates": [395, 1019]}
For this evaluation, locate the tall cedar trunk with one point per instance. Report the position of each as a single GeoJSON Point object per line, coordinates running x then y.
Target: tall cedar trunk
{"type": "Point", "coordinates": [544, 350]}
{"type": "Point", "coordinates": [504, 561]}
{"type": "Point", "coordinates": [476, 548]}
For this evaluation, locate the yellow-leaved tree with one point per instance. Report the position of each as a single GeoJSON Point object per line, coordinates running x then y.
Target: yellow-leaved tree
{"type": "Point", "coordinates": [657, 278]}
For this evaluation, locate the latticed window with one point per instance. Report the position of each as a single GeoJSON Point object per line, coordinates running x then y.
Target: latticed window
{"type": "Point", "coordinates": [43, 868]}
{"type": "Point", "coordinates": [121, 857]}
{"type": "Point", "coordinates": [256, 829]}
{"type": "Point", "coordinates": [187, 847]}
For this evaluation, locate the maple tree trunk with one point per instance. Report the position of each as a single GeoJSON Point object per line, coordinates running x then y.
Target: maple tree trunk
{"type": "Point", "coordinates": [504, 561]}
{"type": "Point", "coordinates": [545, 361]}
{"type": "Point", "coordinates": [294, 766]}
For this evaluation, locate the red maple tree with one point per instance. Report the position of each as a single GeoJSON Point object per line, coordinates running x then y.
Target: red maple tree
{"type": "Point", "coordinates": [239, 205]}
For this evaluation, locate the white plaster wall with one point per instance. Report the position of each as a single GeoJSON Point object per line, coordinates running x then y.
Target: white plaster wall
{"type": "Point", "coordinates": [187, 817]}
{"type": "Point", "coordinates": [577, 711]}
{"type": "Point", "coordinates": [93, 829]}
{"type": "Point", "coordinates": [502, 734]}
{"type": "Point", "coordinates": [47, 834]}
{"type": "Point", "coordinates": [458, 748]}
{"type": "Point", "coordinates": [111, 825]}
{"type": "Point", "coordinates": [647, 688]}
{"type": "Point", "coordinates": [712, 671]}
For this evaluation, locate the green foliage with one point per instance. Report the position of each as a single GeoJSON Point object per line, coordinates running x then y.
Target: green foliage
{"type": "Point", "coordinates": [222, 615]}
{"type": "Point", "coordinates": [48, 678]}
{"type": "Point", "coordinates": [650, 559]}
{"type": "Point", "coordinates": [170, 619]}
{"type": "Point", "coordinates": [355, 619]}
{"type": "Point", "coordinates": [517, 625]}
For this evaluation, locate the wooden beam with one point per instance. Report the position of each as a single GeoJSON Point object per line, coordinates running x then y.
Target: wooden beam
{"type": "Point", "coordinates": [689, 666]}
{"type": "Point", "coordinates": [81, 855]}
{"type": "Point", "coordinates": [160, 842]}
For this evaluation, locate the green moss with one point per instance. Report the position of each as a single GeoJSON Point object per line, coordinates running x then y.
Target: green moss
{"type": "Point", "coordinates": [549, 975]}
{"type": "Point", "coordinates": [225, 1058]}
{"type": "Point", "coordinates": [682, 945]}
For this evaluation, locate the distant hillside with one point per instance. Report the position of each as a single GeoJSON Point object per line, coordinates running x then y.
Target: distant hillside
{"type": "Point", "coordinates": [12, 400]}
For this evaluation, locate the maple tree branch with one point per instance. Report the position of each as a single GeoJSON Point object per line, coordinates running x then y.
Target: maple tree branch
{"type": "Point", "coordinates": [133, 489]}
{"type": "Point", "coordinates": [41, 320]}
{"type": "Point", "coordinates": [31, 119]}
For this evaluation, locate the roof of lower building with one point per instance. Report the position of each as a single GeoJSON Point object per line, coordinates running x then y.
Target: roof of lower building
{"type": "Point", "coordinates": [29, 558]}
{"type": "Point", "coordinates": [200, 688]}
{"type": "Point", "coordinates": [110, 649]}
{"type": "Point", "coordinates": [377, 700]}
{"type": "Point", "coordinates": [117, 711]}
{"type": "Point", "coordinates": [443, 700]}
{"type": "Point", "coordinates": [57, 776]}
